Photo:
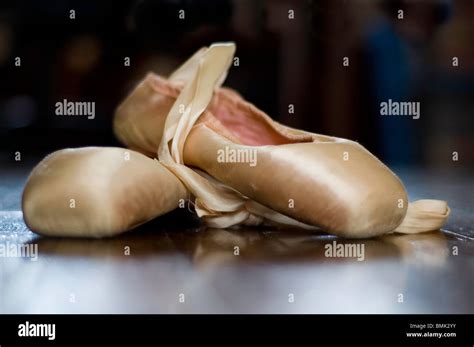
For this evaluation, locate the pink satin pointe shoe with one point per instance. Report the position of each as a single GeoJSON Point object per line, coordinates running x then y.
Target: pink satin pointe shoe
{"type": "Point", "coordinates": [97, 192]}
{"type": "Point", "coordinates": [244, 168]}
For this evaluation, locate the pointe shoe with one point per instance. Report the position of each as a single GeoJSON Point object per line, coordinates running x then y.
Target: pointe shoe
{"type": "Point", "coordinates": [97, 192]}
{"type": "Point", "coordinates": [298, 178]}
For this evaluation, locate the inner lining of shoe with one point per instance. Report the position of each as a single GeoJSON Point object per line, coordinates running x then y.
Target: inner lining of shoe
{"type": "Point", "coordinates": [237, 120]}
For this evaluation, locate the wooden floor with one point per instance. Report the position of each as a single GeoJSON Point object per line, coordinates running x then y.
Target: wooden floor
{"type": "Point", "coordinates": [166, 267]}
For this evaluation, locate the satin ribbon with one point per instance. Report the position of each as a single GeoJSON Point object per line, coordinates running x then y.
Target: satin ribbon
{"type": "Point", "coordinates": [424, 215]}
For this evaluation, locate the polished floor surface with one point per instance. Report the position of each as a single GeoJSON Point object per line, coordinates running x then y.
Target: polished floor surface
{"type": "Point", "coordinates": [166, 267]}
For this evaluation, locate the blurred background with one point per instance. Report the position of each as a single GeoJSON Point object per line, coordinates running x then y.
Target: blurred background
{"type": "Point", "coordinates": [290, 53]}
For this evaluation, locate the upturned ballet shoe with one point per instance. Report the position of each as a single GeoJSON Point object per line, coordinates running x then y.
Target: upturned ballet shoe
{"type": "Point", "coordinates": [97, 192]}
{"type": "Point", "coordinates": [244, 168]}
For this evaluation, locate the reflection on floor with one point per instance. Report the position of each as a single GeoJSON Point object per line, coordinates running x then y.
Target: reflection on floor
{"type": "Point", "coordinates": [197, 270]}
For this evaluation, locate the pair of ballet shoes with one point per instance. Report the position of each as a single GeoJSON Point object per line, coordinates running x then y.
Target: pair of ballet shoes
{"type": "Point", "coordinates": [298, 179]}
